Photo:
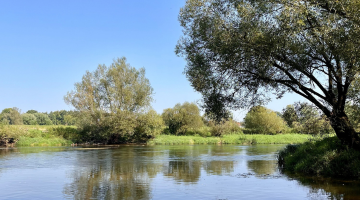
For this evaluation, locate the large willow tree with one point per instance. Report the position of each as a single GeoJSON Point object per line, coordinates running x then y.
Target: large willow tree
{"type": "Point", "coordinates": [118, 88]}
{"type": "Point", "coordinates": [239, 51]}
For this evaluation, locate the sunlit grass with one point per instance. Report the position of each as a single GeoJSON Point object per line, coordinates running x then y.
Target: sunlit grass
{"type": "Point", "coordinates": [231, 139]}
{"type": "Point", "coordinates": [35, 135]}
{"type": "Point", "coordinates": [42, 141]}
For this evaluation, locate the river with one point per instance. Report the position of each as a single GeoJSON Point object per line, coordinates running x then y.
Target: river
{"type": "Point", "coordinates": [159, 172]}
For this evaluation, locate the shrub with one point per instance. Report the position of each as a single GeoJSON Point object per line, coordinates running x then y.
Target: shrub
{"type": "Point", "coordinates": [224, 128]}
{"type": "Point", "coordinates": [203, 131]}
{"type": "Point", "coordinates": [327, 157]}
{"type": "Point", "coordinates": [182, 118]}
{"type": "Point", "coordinates": [10, 134]}
{"type": "Point", "coordinates": [264, 121]}
{"type": "Point", "coordinates": [148, 126]}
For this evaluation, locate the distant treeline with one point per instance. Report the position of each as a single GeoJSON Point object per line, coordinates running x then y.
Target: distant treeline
{"type": "Point", "coordinates": [13, 116]}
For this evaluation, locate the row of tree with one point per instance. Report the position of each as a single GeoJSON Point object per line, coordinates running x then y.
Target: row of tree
{"type": "Point", "coordinates": [13, 116]}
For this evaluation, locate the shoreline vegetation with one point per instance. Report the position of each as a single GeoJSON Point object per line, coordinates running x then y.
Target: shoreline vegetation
{"type": "Point", "coordinates": [242, 139]}
{"type": "Point", "coordinates": [57, 135]}
{"type": "Point", "coordinates": [324, 157]}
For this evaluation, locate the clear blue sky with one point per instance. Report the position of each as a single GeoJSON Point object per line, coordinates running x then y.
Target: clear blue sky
{"type": "Point", "coordinates": [46, 46]}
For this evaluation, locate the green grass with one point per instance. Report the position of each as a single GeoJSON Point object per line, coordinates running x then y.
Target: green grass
{"type": "Point", "coordinates": [325, 157]}
{"type": "Point", "coordinates": [231, 139]}
{"type": "Point", "coordinates": [29, 135]}
{"type": "Point", "coordinates": [42, 141]}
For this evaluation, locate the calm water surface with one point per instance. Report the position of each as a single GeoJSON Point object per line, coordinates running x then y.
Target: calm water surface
{"type": "Point", "coordinates": [159, 172]}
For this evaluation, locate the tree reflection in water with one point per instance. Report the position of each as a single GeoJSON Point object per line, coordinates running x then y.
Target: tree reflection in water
{"type": "Point", "coordinates": [332, 188]}
{"type": "Point", "coordinates": [262, 167]}
{"type": "Point", "coordinates": [128, 172]}
{"type": "Point", "coordinates": [113, 174]}
{"type": "Point", "coordinates": [186, 162]}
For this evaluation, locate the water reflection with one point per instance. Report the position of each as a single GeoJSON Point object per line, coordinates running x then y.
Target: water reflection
{"type": "Point", "coordinates": [331, 188]}
{"type": "Point", "coordinates": [183, 171]}
{"type": "Point", "coordinates": [262, 167]}
{"type": "Point", "coordinates": [147, 172]}
{"type": "Point", "coordinates": [113, 174]}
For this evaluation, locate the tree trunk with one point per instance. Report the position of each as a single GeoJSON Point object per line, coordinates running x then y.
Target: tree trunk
{"type": "Point", "coordinates": [344, 130]}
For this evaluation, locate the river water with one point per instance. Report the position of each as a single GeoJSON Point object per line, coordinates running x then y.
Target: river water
{"type": "Point", "coordinates": [159, 172]}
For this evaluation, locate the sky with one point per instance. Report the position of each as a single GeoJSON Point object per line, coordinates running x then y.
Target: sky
{"type": "Point", "coordinates": [47, 46]}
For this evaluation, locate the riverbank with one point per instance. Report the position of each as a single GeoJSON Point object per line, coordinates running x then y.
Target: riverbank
{"type": "Point", "coordinates": [66, 135]}
{"type": "Point", "coordinates": [231, 139]}
{"type": "Point", "coordinates": [325, 157]}
{"type": "Point", "coordinates": [29, 135]}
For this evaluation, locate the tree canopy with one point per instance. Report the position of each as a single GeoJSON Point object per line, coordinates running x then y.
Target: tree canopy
{"type": "Point", "coordinates": [264, 121]}
{"type": "Point", "coordinates": [182, 117]}
{"type": "Point", "coordinates": [240, 51]}
{"type": "Point", "coordinates": [109, 89]}
{"type": "Point", "coordinates": [11, 116]}
{"type": "Point", "coordinates": [113, 105]}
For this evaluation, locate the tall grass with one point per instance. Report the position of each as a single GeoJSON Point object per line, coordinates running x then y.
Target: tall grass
{"type": "Point", "coordinates": [231, 139]}
{"type": "Point", "coordinates": [327, 157]}
{"type": "Point", "coordinates": [34, 135]}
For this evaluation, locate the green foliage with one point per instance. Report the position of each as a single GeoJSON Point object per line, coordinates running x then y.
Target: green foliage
{"type": "Point", "coordinates": [224, 127]}
{"type": "Point", "coordinates": [289, 115]}
{"type": "Point", "coordinates": [69, 133]}
{"type": "Point", "coordinates": [69, 120]}
{"type": "Point", "coordinates": [305, 119]}
{"type": "Point", "coordinates": [182, 118]}
{"type": "Point", "coordinates": [327, 157]}
{"type": "Point", "coordinates": [264, 121]}
{"type": "Point", "coordinates": [11, 116]}
{"type": "Point", "coordinates": [29, 119]}
{"type": "Point", "coordinates": [63, 117]}
{"type": "Point", "coordinates": [149, 125]}
{"type": "Point", "coordinates": [10, 134]}
{"type": "Point", "coordinates": [113, 88]}
{"type": "Point", "coordinates": [353, 112]}
{"type": "Point", "coordinates": [240, 52]}
{"type": "Point", "coordinates": [203, 131]}
{"type": "Point", "coordinates": [22, 135]}
{"type": "Point", "coordinates": [42, 119]}
{"type": "Point", "coordinates": [109, 101]}
{"type": "Point", "coordinates": [31, 111]}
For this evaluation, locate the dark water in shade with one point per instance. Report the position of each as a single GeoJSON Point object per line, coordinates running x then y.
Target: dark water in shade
{"type": "Point", "coordinates": [159, 172]}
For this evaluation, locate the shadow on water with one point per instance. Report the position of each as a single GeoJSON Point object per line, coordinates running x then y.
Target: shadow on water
{"type": "Point", "coordinates": [330, 187]}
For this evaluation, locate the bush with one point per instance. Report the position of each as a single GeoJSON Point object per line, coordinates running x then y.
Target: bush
{"type": "Point", "coordinates": [182, 118]}
{"type": "Point", "coordinates": [203, 131]}
{"type": "Point", "coordinates": [264, 121]}
{"type": "Point", "coordinates": [10, 134]}
{"type": "Point", "coordinates": [327, 157]}
{"type": "Point", "coordinates": [68, 133]}
{"type": "Point", "coordinates": [224, 128]}
{"type": "Point", "coordinates": [148, 125]}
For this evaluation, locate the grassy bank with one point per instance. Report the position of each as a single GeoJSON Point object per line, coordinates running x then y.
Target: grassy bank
{"type": "Point", "coordinates": [326, 157]}
{"type": "Point", "coordinates": [231, 139]}
{"type": "Point", "coordinates": [23, 135]}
